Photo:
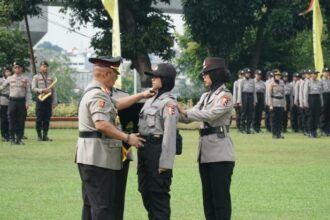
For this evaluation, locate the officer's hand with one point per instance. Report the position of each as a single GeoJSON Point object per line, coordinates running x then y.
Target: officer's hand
{"type": "Point", "coordinates": [45, 90]}
{"type": "Point", "coordinates": [181, 110]}
{"type": "Point", "coordinates": [149, 93]}
{"type": "Point", "coordinates": [135, 140]}
{"type": "Point", "coordinates": [240, 104]}
{"type": "Point", "coordinates": [161, 170]}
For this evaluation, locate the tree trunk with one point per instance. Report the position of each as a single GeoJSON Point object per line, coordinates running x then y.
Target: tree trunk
{"type": "Point", "coordinates": [140, 60]}
{"type": "Point", "coordinates": [257, 47]}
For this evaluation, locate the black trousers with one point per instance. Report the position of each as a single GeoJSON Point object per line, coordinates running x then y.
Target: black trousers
{"type": "Point", "coordinates": [4, 121]}
{"type": "Point", "coordinates": [98, 192]}
{"type": "Point", "coordinates": [121, 179]}
{"type": "Point", "coordinates": [268, 119]}
{"type": "Point", "coordinates": [238, 117]}
{"type": "Point", "coordinates": [258, 111]}
{"type": "Point", "coordinates": [277, 118]}
{"type": "Point", "coordinates": [302, 114]}
{"type": "Point", "coordinates": [154, 186]}
{"type": "Point", "coordinates": [247, 110]}
{"type": "Point", "coordinates": [16, 118]}
{"type": "Point", "coordinates": [43, 113]}
{"type": "Point", "coordinates": [314, 102]}
{"type": "Point", "coordinates": [286, 112]}
{"type": "Point", "coordinates": [325, 121]}
{"type": "Point", "coordinates": [216, 180]}
{"type": "Point", "coordinates": [294, 114]}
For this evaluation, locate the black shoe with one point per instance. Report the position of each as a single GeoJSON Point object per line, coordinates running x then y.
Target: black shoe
{"type": "Point", "coordinates": [46, 139]}
{"type": "Point", "coordinates": [280, 136]}
{"type": "Point", "coordinates": [5, 139]}
{"type": "Point", "coordinates": [24, 137]}
{"type": "Point", "coordinates": [40, 138]}
{"type": "Point", "coordinates": [19, 142]}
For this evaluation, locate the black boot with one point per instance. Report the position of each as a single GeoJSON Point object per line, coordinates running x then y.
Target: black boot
{"type": "Point", "coordinates": [19, 140]}
{"type": "Point", "coordinates": [45, 136]}
{"type": "Point", "coordinates": [12, 139]}
{"type": "Point", "coordinates": [39, 135]}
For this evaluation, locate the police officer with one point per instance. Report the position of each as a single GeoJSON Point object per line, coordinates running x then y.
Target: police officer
{"type": "Point", "coordinates": [247, 99]}
{"type": "Point", "coordinates": [4, 100]}
{"type": "Point", "coordinates": [99, 145]}
{"type": "Point", "coordinates": [240, 75]}
{"type": "Point", "coordinates": [157, 125]}
{"type": "Point", "coordinates": [270, 77]}
{"type": "Point", "coordinates": [41, 84]}
{"type": "Point", "coordinates": [19, 100]}
{"type": "Point", "coordinates": [325, 125]}
{"type": "Point", "coordinates": [277, 103]}
{"type": "Point", "coordinates": [260, 90]}
{"type": "Point", "coordinates": [302, 97]}
{"type": "Point", "coordinates": [288, 98]}
{"type": "Point", "coordinates": [313, 102]}
{"type": "Point", "coordinates": [295, 124]}
{"type": "Point", "coordinates": [216, 155]}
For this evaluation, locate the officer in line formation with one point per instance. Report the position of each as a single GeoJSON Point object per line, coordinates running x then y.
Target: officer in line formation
{"type": "Point", "coordinates": [46, 100]}
{"type": "Point", "coordinates": [15, 91]}
{"type": "Point", "coordinates": [19, 101]}
{"type": "Point", "coordinates": [4, 100]}
{"type": "Point", "coordinates": [306, 102]}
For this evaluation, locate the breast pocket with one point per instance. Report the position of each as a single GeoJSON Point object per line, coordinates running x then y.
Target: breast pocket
{"type": "Point", "coordinates": [151, 115]}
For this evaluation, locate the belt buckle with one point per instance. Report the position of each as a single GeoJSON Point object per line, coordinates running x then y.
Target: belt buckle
{"type": "Point", "coordinates": [156, 136]}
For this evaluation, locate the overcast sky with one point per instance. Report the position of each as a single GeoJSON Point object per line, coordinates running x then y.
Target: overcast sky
{"type": "Point", "coordinates": [61, 36]}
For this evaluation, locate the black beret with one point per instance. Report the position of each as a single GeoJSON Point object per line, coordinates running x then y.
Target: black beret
{"type": "Point", "coordinates": [44, 63]}
{"type": "Point", "coordinates": [163, 70]}
{"type": "Point", "coordinates": [18, 63]}
{"type": "Point", "coordinates": [212, 63]}
{"type": "Point", "coordinates": [258, 72]}
{"type": "Point", "coordinates": [247, 70]}
{"type": "Point", "coordinates": [285, 74]}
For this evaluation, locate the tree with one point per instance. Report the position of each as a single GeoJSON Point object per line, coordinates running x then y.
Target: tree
{"type": "Point", "coordinates": [256, 33]}
{"type": "Point", "coordinates": [144, 30]}
{"type": "Point", "coordinates": [13, 45]}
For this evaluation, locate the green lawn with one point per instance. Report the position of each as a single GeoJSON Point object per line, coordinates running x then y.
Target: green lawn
{"type": "Point", "coordinates": [273, 179]}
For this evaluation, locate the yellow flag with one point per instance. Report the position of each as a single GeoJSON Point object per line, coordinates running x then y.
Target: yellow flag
{"type": "Point", "coordinates": [317, 35]}
{"type": "Point", "coordinates": [112, 8]}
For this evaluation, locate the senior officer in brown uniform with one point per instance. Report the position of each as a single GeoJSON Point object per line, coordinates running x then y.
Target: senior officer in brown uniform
{"type": "Point", "coordinates": [19, 100]}
{"type": "Point", "coordinates": [4, 100]}
{"type": "Point", "coordinates": [216, 155]}
{"type": "Point", "coordinates": [157, 125]}
{"type": "Point", "coordinates": [40, 84]}
{"type": "Point", "coordinates": [99, 153]}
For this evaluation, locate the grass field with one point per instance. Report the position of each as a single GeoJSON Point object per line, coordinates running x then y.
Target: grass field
{"type": "Point", "coordinates": [273, 179]}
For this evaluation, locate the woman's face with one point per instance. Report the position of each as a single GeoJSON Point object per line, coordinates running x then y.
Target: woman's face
{"type": "Point", "coordinates": [156, 82]}
{"type": "Point", "coordinates": [277, 77]}
{"type": "Point", "coordinates": [207, 80]}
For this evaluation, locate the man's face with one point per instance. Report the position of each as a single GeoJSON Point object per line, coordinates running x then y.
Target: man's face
{"type": "Point", "coordinates": [326, 75]}
{"type": "Point", "coordinates": [18, 69]}
{"type": "Point", "coordinates": [285, 78]}
{"type": "Point", "coordinates": [43, 69]}
{"type": "Point", "coordinates": [314, 76]}
{"type": "Point", "coordinates": [110, 77]}
{"type": "Point", "coordinates": [278, 77]}
{"type": "Point", "coordinates": [258, 77]}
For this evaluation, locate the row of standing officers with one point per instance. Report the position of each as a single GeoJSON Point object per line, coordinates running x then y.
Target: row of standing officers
{"type": "Point", "coordinates": [16, 97]}
{"type": "Point", "coordinates": [306, 98]}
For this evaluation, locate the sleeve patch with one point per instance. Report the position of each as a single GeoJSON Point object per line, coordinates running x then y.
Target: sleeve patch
{"type": "Point", "coordinates": [224, 100]}
{"type": "Point", "coordinates": [171, 109]}
{"type": "Point", "coordinates": [101, 103]}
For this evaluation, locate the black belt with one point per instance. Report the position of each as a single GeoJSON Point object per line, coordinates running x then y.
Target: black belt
{"type": "Point", "coordinates": [213, 130]}
{"type": "Point", "coordinates": [153, 138]}
{"type": "Point", "coordinates": [5, 95]}
{"type": "Point", "coordinates": [90, 134]}
{"type": "Point", "coordinates": [277, 97]}
{"type": "Point", "coordinates": [314, 94]}
{"type": "Point", "coordinates": [247, 93]}
{"type": "Point", "coordinates": [18, 99]}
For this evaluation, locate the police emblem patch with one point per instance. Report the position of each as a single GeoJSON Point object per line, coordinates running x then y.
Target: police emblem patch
{"type": "Point", "coordinates": [101, 103]}
{"type": "Point", "coordinates": [224, 100]}
{"type": "Point", "coordinates": [171, 109]}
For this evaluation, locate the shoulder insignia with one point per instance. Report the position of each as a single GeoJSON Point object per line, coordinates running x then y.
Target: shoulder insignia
{"type": "Point", "coordinates": [224, 100]}
{"type": "Point", "coordinates": [101, 103]}
{"type": "Point", "coordinates": [171, 108]}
